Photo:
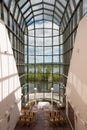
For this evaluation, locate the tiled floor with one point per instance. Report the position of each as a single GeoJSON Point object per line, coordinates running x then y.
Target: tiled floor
{"type": "Point", "coordinates": [42, 123]}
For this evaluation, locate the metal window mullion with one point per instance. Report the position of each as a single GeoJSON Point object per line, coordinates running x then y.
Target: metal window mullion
{"type": "Point", "coordinates": [27, 67]}
{"type": "Point", "coordinates": [59, 71]}
{"type": "Point", "coordinates": [43, 45]}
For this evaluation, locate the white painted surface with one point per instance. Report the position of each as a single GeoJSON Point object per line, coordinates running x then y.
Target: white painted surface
{"type": "Point", "coordinates": [10, 90]}
{"type": "Point", "coordinates": [77, 79]}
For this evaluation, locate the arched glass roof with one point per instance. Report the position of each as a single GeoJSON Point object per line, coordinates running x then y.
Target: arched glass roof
{"type": "Point", "coordinates": [27, 12]}
{"type": "Point", "coordinates": [36, 10]}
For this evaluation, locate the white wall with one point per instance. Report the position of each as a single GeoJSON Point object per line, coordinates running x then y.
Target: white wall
{"type": "Point", "coordinates": [76, 89]}
{"type": "Point", "coordinates": [10, 90]}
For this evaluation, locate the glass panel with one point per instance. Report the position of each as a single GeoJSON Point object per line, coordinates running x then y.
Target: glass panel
{"type": "Point", "coordinates": [59, 6]}
{"type": "Point", "coordinates": [55, 68]}
{"type": "Point", "coordinates": [77, 1]}
{"type": "Point", "coordinates": [5, 16]}
{"type": "Point", "coordinates": [11, 39]}
{"type": "Point", "coordinates": [39, 17]}
{"type": "Point", "coordinates": [19, 18]}
{"type": "Point", "coordinates": [31, 50]}
{"type": "Point", "coordinates": [39, 59]}
{"type": "Point", "coordinates": [25, 39]}
{"type": "Point", "coordinates": [25, 7]}
{"type": "Point", "coordinates": [12, 6]}
{"type": "Point", "coordinates": [48, 59]}
{"type": "Point", "coordinates": [48, 32]}
{"type": "Point", "coordinates": [39, 50]}
{"type": "Point", "coordinates": [30, 16]}
{"type": "Point", "coordinates": [48, 7]}
{"type": "Point", "coordinates": [48, 12]}
{"type": "Point", "coordinates": [31, 33]}
{"type": "Point", "coordinates": [72, 6]}
{"type": "Point", "coordinates": [16, 12]}
{"type": "Point", "coordinates": [55, 33]}
{"type": "Point", "coordinates": [39, 6]}
{"type": "Point", "coordinates": [21, 2]}
{"type": "Point", "coordinates": [10, 22]}
{"type": "Point", "coordinates": [68, 11]}
{"type": "Point", "coordinates": [48, 24]}
{"type": "Point", "coordinates": [78, 15]}
{"type": "Point", "coordinates": [35, 1]}
{"type": "Point", "coordinates": [39, 24]}
{"type": "Point", "coordinates": [39, 32]}
{"type": "Point", "coordinates": [31, 59]}
{"type": "Point", "coordinates": [57, 21]}
{"type": "Point", "coordinates": [38, 12]}
{"type": "Point", "coordinates": [31, 68]}
{"type": "Point", "coordinates": [6, 2]}
{"type": "Point", "coordinates": [27, 13]}
{"type": "Point", "coordinates": [63, 2]}
{"type": "Point", "coordinates": [39, 41]}
{"type": "Point", "coordinates": [55, 40]}
{"type": "Point", "coordinates": [31, 27]}
{"type": "Point", "coordinates": [50, 1]}
{"type": "Point", "coordinates": [47, 17]}
{"type": "Point", "coordinates": [25, 50]}
{"type": "Point", "coordinates": [31, 21]}
{"type": "Point", "coordinates": [58, 12]}
{"type": "Point", "coordinates": [48, 41]}
{"type": "Point", "coordinates": [56, 59]}
{"type": "Point", "coordinates": [48, 51]}
{"type": "Point", "coordinates": [84, 6]}
{"type": "Point", "coordinates": [31, 41]}
{"type": "Point", "coordinates": [55, 50]}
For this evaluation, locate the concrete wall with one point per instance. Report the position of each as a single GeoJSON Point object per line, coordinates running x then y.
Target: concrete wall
{"type": "Point", "coordinates": [76, 90]}
{"type": "Point", "coordinates": [10, 90]}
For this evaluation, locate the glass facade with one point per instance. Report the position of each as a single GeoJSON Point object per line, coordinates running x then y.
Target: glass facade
{"type": "Point", "coordinates": [42, 35]}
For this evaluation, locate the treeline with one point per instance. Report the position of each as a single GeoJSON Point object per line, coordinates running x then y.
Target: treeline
{"type": "Point", "coordinates": [44, 76]}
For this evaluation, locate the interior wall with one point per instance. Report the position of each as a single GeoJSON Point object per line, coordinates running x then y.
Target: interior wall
{"type": "Point", "coordinates": [76, 90]}
{"type": "Point", "coordinates": [10, 89]}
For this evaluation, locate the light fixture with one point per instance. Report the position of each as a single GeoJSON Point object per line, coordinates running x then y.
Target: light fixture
{"type": "Point", "coordinates": [52, 89]}
{"type": "Point", "coordinates": [35, 89]}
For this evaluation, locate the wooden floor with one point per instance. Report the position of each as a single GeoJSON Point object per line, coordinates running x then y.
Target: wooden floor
{"type": "Point", "coordinates": [42, 123]}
